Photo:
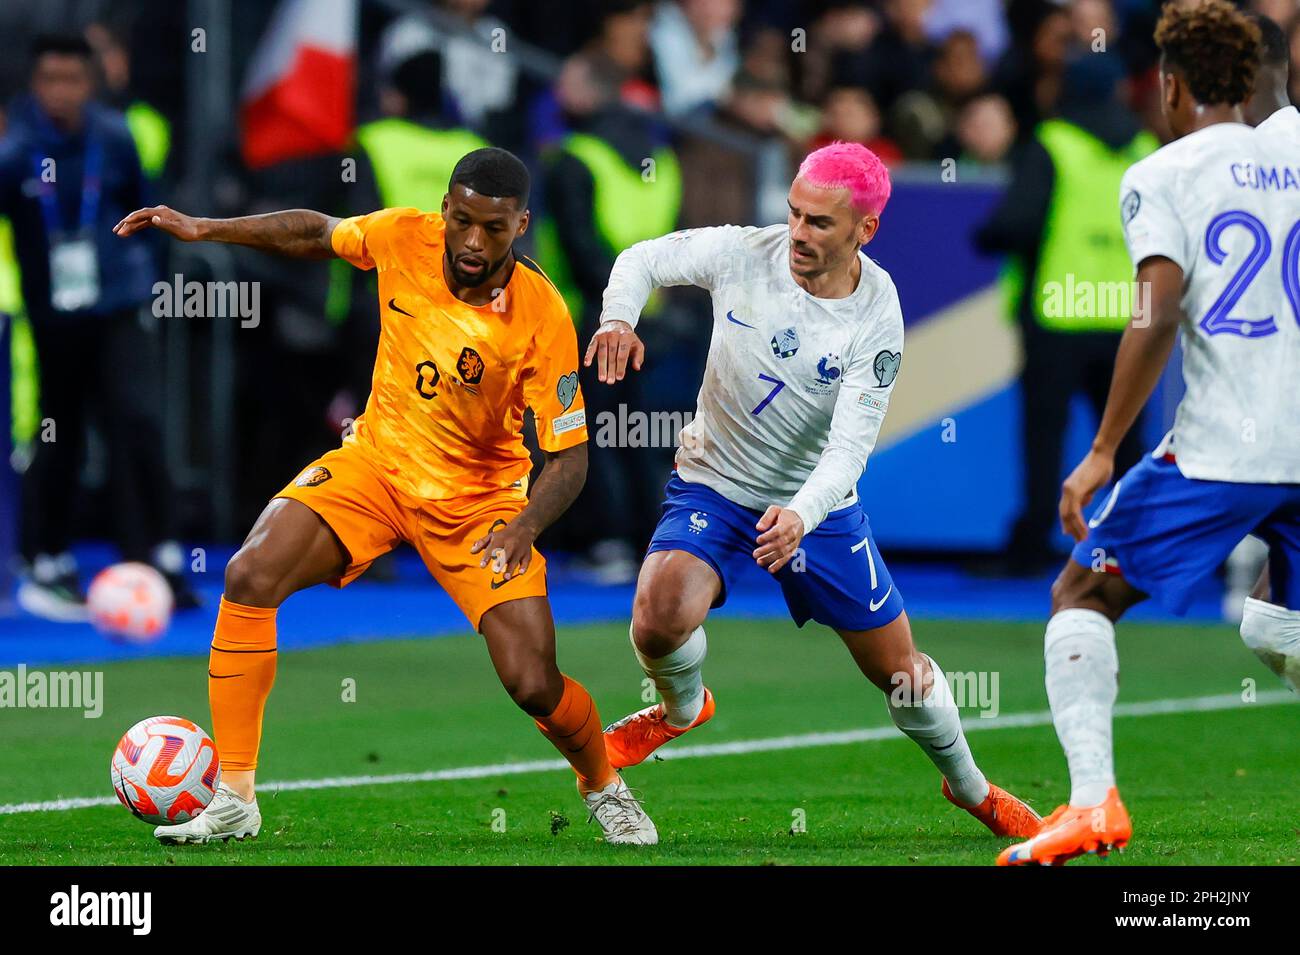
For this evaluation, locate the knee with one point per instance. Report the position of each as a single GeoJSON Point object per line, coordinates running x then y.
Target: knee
{"type": "Point", "coordinates": [905, 676]}
{"type": "Point", "coordinates": [536, 690]}
{"type": "Point", "coordinates": [1061, 593]}
{"type": "Point", "coordinates": [661, 622]}
{"type": "Point", "coordinates": [250, 581]}
{"type": "Point", "coordinates": [1077, 587]}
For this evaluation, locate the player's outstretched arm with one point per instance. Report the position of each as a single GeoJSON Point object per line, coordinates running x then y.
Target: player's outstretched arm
{"type": "Point", "coordinates": [510, 546]}
{"type": "Point", "coordinates": [298, 233]}
{"type": "Point", "coordinates": [1143, 353]}
{"type": "Point", "coordinates": [614, 345]}
{"type": "Point", "coordinates": [690, 257]}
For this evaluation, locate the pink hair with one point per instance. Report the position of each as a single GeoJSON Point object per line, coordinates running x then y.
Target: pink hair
{"type": "Point", "coordinates": [850, 166]}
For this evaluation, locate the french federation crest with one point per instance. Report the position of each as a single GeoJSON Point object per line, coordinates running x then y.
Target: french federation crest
{"type": "Point", "coordinates": [785, 343]}
{"type": "Point", "coordinates": [828, 369]}
{"type": "Point", "coordinates": [827, 378]}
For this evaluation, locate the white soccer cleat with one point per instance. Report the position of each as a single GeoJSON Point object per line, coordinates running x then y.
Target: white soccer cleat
{"type": "Point", "coordinates": [226, 817]}
{"type": "Point", "coordinates": [620, 815]}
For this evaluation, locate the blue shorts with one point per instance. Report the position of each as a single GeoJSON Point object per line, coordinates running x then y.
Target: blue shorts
{"type": "Point", "coordinates": [841, 581]}
{"type": "Point", "coordinates": [1167, 534]}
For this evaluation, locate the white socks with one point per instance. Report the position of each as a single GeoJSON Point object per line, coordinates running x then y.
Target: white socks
{"type": "Point", "coordinates": [677, 678]}
{"type": "Point", "coordinates": [1273, 633]}
{"type": "Point", "coordinates": [1082, 683]}
{"type": "Point", "coordinates": [935, 726]}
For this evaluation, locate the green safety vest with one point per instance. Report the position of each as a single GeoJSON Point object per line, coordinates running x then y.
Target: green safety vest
{"type": "Point", "coordinates": [11, 283]}
{"type": "Point", "coordinates": [413, 163]}
{"type": "Point", "coordinates": [629, 208]}
{"type": "Point", "coordinates": [24, 381]}
{"type": "Point", "coordinates": [1084, 281]}
{"type": "Point", "coordinates": [152, 134]}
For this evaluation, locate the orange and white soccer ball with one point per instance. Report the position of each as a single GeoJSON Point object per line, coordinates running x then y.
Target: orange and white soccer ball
{"type": "Point", "coordinates": [132, 601]}
{"type": "Point", "coordinates": [165, 770]}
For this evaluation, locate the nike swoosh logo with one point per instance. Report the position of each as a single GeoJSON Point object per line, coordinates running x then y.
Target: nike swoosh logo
{"type": "Point", "coordinates": [940, 749]}
{"type": "Point", "coordinates": [876, 605]}
{"type": "Point", "coordinates": [731, 317]}
{"type": "Point", "coordinates": [497, 584]}
{"type": "Point", "coordinates": [392, 303]}
{"type": "Point", "coordinates": [229, 676]}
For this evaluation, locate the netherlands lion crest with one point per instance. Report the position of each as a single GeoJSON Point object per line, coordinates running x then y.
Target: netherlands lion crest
{"type": "Point", "coordinates": [469, 366]}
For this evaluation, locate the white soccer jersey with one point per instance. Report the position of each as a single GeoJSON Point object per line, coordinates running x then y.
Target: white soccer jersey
{"type": "Point", "coordinates": [1285, 121]}
{"type": "Point", "coordinates": [795, 387]}
{"type": "Point", "coordinates": [1224, 204]}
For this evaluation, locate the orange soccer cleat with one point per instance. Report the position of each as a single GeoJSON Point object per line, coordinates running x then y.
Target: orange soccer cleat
{"type": "Point", "coordinates": [1001, 812]}
{"type": "Point", "coordinates": [633, 738]}
{"type": "Point", "coordinates": [1071, 831]}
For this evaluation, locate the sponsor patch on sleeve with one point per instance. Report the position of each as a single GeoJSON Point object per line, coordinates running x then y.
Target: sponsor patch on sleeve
{"type": "Point", "coordinates": [570, 421]}
{"type": "Point", "coordinates": [872, 402]}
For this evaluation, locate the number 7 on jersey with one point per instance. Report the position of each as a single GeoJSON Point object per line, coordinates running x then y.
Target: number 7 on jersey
{"type": "Point", "coordinates": [771, 394]}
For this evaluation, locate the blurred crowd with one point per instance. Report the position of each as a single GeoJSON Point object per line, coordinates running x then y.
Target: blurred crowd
{"type": "Point", "coordinates": [723, 95]}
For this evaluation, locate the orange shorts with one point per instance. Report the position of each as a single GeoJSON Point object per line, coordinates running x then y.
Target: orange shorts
{"type": "Point", "coordinates": [370, 516]}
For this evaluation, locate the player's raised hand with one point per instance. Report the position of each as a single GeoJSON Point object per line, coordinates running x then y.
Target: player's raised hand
{"type": "Point", "coordinates": [1094, 472]}
{"type": "Point", "coordinates": [509, 547]}
{"type": "Point", "coordinates": [613, 345]}
{"type": "Point", "coordinates": [176, 224]}
{"type": "Point", "coordinates": [780, 531]}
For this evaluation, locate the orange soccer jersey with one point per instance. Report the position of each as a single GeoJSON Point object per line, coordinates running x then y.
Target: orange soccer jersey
{"type": "Point", "coordinates": [451, 381]}
{"type": "Point", "coordinates": [438, 457]}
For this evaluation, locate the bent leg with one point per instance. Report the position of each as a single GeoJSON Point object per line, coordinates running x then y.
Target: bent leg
{"type": "Point", "coordinates": [1270, 621]}
{"type": "Point", "coordinates": [673, 595]}
{"type": "Point", "coordinates": [520, 636]}
{"type": "Point", "coordinates": [289, 548]}
{"type": "Point", "coordinates": [1082, 673]}
{"type": "Point", "coordinates": [920, 702]}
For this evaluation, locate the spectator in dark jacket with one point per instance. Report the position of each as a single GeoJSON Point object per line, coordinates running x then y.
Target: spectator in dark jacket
{"type": "Point", "coordinates": [1038, 218]}
{"type": "Point", "coordinates": [68, 173]}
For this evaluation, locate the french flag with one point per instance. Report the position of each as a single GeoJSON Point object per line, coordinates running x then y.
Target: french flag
{"type": "Point", "coordinates": [298, 97]}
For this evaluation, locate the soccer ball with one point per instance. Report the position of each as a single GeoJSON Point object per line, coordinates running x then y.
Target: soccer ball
{"type": "Point", "coordinates": [131, 601]}
{"type": "Point", "coordinates": [165, 770]}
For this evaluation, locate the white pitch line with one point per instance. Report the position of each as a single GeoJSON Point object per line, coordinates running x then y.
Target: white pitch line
{"type": "Point", "coordinates": [1194, 704]}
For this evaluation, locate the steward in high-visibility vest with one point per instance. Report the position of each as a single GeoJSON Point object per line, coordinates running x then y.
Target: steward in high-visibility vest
{"type": "Point", "coordinates": [1069, 271]}
{"type": "Point", "coordinates": [22, 380]}
{"type": "Point", "coordinates": [629, 202]}
{"type": "Point", "coordinates": [412, 163]}
{"type": "Point", "coordinates": [152, 134]}
{"type": "Point", "coordinates": [1082, 255]}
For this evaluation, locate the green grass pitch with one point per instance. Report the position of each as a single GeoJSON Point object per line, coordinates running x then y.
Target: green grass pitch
{"type": "Point", "coordinates": [1202, 787]}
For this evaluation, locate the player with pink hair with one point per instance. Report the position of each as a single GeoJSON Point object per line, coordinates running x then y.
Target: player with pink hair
{"type": "Point", "coordinates": [850, 166]}
{"type": "Point", "coordinates": [807, 343]}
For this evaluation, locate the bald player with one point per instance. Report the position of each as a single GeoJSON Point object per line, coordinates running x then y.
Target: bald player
{"type": "Point", "coordinates": [471, 335]}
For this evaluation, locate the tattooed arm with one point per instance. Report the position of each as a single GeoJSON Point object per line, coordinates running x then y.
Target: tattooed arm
{"type": "Point", "coordinates": [556, 488]}
{"type": "Point", "coordinates": [298, 233]}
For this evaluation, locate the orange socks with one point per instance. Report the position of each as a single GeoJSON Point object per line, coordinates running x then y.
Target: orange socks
{"type": "Point", "coordinates": [575, 730]}
{"type": "Point", "coordinates": [241, 670]}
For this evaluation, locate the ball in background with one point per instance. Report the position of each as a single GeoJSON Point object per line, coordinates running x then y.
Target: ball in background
{"type": "Point", "coordinates": [130, 601]}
